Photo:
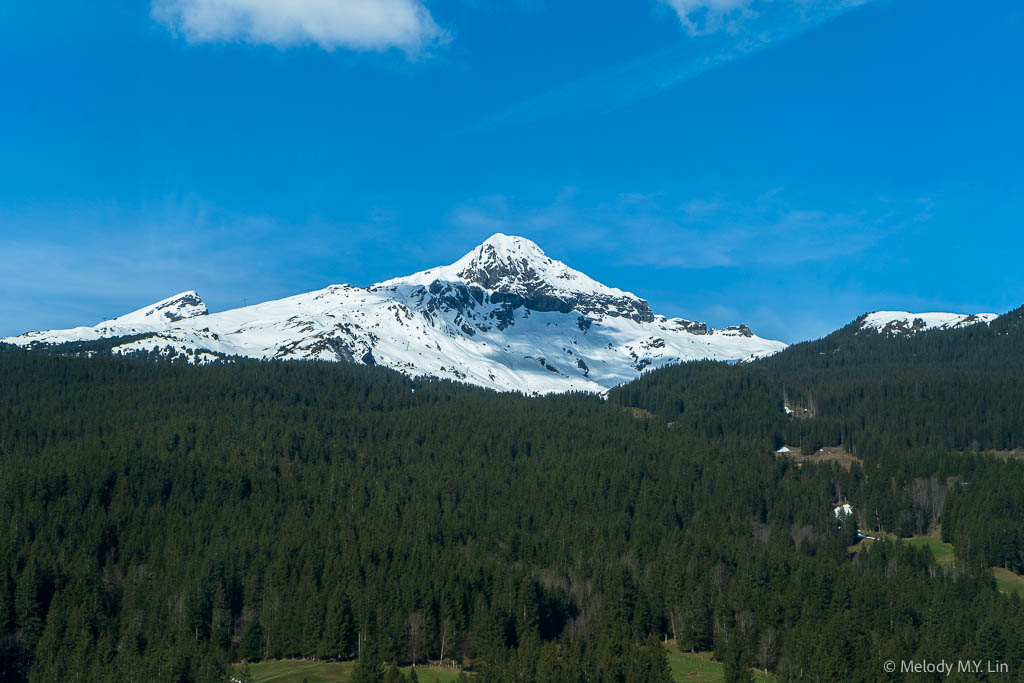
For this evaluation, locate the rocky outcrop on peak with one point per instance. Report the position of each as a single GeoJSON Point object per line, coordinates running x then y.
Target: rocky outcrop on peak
{"type": "Point", "coordinates": [184, 306]}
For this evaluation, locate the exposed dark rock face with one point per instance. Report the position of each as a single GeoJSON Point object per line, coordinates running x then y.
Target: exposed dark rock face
{"type": "Point", "coordinates": [902, 326]}
{"type": "Point", "coordinates": [547, 366]}
{"type": "Point", "coordinates": [505, 315]}
{"type": "Point", "coordinates": [454, 296]}
{"type": "Point", "coordinates": [552, 301]}
{"type": "Point", "coordinates": [334, 344]}
{"type": "Point", "coordinates": [691, 326]}
{"type": "Point", "coordinates": [741, 330]}
{"type": "Point", "coordinates": [515, 281]}
{"type": "Point", "coordinates": [535, 302]}
{"type": "Point", "coordinates": [190, 303]}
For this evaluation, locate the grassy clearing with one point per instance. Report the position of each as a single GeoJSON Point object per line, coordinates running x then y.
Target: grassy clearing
{"type": "Point", "coordinates": [942, 552]}
{"type": "Point", "coordinates": [685, 667]}
{"type": "Point", "coordinates": [694, 667]}
{"type": "Point", "coordinates": [835, 454]}
{"type": "Point", "coordinates": [298, 670]}
{"type": "Point", "coordinates": [1015, 454]}
{"type": "Point", "coordinates": [284, 670]}
{"type": "Point", "coordinates": [700, 667]}
{"type": "Point", "coordinates": [639, 413]}
{"type": "Point", "coordinates": [1008, 582]}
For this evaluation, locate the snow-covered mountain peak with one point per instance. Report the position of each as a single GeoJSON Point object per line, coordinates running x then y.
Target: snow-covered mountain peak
{"type": "Point", "coordinates": [153, 318]}
{"type": "Point", "coordinates": [511, 264]}
{"type": "Point", "coordinates": [500, 246]}
{"type": "Point", "coordinates": [181, 306]}
{"type": "Point", "coordinates": [514, 272]}
{"type": "Point", "coordinates": [517, 265]}
{"type": "Point", "coordinates": [902, 322]}
{"type": "Point", "coordinates": [504, 316]}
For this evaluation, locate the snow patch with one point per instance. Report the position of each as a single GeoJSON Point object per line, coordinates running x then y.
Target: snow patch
{"type": "Point", "coordinates": [902, 322]}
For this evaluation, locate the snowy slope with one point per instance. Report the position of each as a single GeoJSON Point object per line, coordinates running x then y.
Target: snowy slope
{"type": "Point", "coordinates": [153, 318]}
{"type": "Point", "coordinates": [505, 316]}
{"type": "Point", "coordinates": [901, 322]}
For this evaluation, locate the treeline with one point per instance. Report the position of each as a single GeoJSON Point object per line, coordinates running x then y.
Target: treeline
{"type": "Point", "coordinates": [159, 520]}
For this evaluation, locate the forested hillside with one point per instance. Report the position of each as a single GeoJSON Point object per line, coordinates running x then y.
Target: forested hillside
{"type": "Point", "coordinates": [927, 414]}
{"type": "Point", "coordinates": [960, 389]}
{"type": "Point", "coordinates": [160, 520]}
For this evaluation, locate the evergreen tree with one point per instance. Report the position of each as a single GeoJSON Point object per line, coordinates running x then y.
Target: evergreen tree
{"type": "Point", "coordinates": [369, 667]}
{"type": "Point", "coordinates": [252, 643]}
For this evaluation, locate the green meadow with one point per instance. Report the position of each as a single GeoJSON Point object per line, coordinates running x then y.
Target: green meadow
{"type": "Point", "coordinates": [685, 666]}
{"type": "Point", "coordinates": [700, 667]}
{"type": "Point", "coordinates": [942, 552]}
{"type": "Point", "coordinates": [299, 670]}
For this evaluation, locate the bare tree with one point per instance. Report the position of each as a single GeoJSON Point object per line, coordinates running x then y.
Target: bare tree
{"type": "Point", "coordinates": [745, 624]}
{"type": "Point", "coordinates": [768, 650]}
{"type": "Point", "coordinates": [719, 576]}
{"type": "Point", "coordinates": [720, 630]}
{"type": "Point", "coordinates": [675, 615]}
{"type": "Point", "coordinates": [447, 633]}
{"type": "Point", "coordinates": [416, 630]}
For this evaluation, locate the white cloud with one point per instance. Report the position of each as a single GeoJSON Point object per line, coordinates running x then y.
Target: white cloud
{"type": "Point", "coordinates": [330, 24]}
{"type": "Point", "coordinates": [707, 16]}
{"type": "Point", "coordinates": [702, 17]}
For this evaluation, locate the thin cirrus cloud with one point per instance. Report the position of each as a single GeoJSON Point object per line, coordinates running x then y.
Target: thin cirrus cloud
{"type": "Point", "coordinates": [652, 230]}
{"type": "Point", "coordinates": [72, 267]}
{"type": "Point", "coordinates": [687, 239]}
{"type": "Point", "coordinates": [747, 27]}
{"type": "Point", "coordinates": [706, 16]}
{"type": "Point", "coordinates": [363, 25]}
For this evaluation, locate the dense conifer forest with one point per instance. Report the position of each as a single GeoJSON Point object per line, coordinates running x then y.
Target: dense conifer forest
{"type": "Point", "coordinates": [160, 520]}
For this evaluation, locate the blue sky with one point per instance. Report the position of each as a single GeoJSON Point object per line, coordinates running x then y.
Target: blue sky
{"type": "Point", "coordinates": [789, 164]}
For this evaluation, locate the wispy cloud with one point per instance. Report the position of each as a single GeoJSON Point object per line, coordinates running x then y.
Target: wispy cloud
{"type": "Point", "coordinates": [751, 26]}
{"type": "Point", "coordinates": [700, 257]}
{"type": "Point", "coordinates": [105, 261]}
{"type": "Point", "coordinates": [659, 231]}
{"type": "Point", "coordinates": [330, 24]}
{"type": "Point", "coordinates": [706, 16]}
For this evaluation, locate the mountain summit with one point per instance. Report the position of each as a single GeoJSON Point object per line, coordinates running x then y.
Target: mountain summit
{"type": "Point", "coordinates": [504, 316]}
{"type": "Point", "coordinates": [514, 265]}
{"type": "Point", "coordinates": [516, 272]}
